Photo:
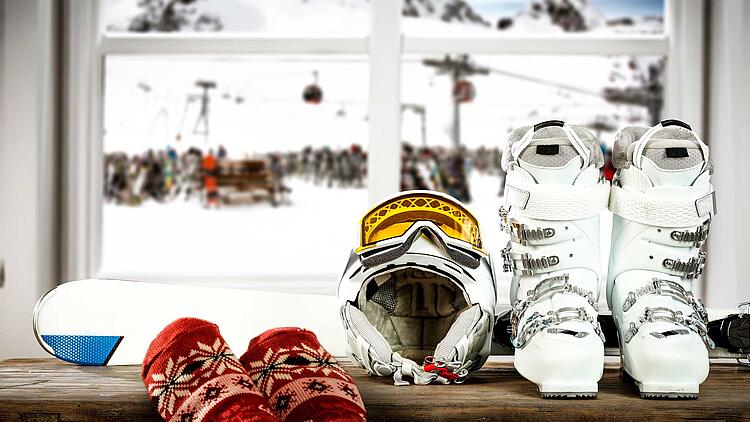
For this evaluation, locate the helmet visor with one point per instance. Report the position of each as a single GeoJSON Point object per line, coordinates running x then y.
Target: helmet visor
{"type": "Point", "coordinates": [394, 217]}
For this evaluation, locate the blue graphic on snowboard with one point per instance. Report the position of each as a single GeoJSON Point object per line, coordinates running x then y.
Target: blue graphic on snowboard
{"type": "Point", "coordinates": [83, 350]}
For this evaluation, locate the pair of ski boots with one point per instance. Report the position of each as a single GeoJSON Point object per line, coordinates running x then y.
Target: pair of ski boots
{"type": "Point", "coordinates": [662, 201]}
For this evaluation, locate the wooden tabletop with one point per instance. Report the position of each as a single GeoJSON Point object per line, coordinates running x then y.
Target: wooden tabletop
{"type": "Point", "coordinates": [50, 390]}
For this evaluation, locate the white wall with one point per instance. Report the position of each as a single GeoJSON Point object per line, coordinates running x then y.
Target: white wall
{"type": "Point", "coordinates": [26, 168]}
{"type": "Point", "coordinates": [728, 268]}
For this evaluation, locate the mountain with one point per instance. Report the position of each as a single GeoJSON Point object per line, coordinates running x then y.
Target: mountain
{"type": "Point", "coordinates": [449, 11]}
{"type": "Point", "coordinates": [561, 15]}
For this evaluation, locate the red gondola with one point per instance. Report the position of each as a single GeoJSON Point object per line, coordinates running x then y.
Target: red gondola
{"type": "Point", "coordinates": [464, 91]}
{"type": "Point", "coordinates": [313, 94]}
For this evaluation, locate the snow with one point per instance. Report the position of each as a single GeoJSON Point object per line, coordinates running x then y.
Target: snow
{"type": "Point", "coordinates": [312, 236]}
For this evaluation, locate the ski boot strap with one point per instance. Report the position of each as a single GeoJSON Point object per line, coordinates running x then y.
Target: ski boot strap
{"type": "Point", "coordinates": [653, 210]}
{"type": "Point", "coordinates": [559, 204]}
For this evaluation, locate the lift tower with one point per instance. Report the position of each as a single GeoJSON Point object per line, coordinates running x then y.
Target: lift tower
{"type": "Point", "coordinates": [458, 69]}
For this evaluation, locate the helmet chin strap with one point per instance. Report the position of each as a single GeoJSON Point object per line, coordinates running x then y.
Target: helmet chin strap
{"type": "Point", "coordinates": [408, 368]}
{"type": "Point", "coordinates": [373, 352]}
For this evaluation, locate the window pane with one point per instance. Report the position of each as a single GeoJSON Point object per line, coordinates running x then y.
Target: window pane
{"type": "Point", "coordinates": [489, 17]}
{"type": "Point", "coordinates": [603, 93]}
{"type": "Point", "coordinates": [304, 17]}
{"type": "Point", "coordinates": [216, 165]}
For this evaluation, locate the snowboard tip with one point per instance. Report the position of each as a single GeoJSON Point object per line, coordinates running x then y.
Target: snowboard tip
{"type": "Point", "coordinates": [94, 350]}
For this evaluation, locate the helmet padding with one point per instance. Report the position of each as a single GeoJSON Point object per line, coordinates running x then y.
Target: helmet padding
{"type": "Point", "coordinates": [413, 309]}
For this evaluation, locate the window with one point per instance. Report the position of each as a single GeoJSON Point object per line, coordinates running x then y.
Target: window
{"type": "Point", "coordinates": [246, 78]}
{"type": "Point", "coordinates": [258, 17]}
{"type": "Point", "coordinates": [284, 167]}
{"type": "Point", "coordinates": [493, 17]}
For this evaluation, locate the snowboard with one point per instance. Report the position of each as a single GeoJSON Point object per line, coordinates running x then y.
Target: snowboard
{"type": "Point", "coordinates": [112, 322]}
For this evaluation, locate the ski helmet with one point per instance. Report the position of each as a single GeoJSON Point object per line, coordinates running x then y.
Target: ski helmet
{"type": "Point", "coordinates": [419, 288]}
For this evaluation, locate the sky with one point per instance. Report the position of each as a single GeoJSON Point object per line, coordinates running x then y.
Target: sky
{"type": "Point", "coordinates": [493, 9]}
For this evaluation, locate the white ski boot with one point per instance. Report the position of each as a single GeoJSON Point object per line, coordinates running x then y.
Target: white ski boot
{"type": "Point", "coordinates": [663, 202]}
{"type": "Point", "coordinates": [554, 194]}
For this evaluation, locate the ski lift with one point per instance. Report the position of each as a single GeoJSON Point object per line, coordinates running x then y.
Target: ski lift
{"type": "Point", "coordinates": [312, 93]}
{"type": "Point", "coordinates": [464, 91]}
{"type": "Point", "coordinates": [204, 109]}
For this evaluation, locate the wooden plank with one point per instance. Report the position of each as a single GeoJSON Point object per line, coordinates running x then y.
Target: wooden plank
{"type": "Point", "coordinates": [50, 390]}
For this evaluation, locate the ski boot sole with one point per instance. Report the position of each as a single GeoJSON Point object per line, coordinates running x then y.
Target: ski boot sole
{"type": "Point", "coordinates": [562, 395]}
{"type": "Point", "coordinates": [569, 392]}
{"type": "Point", "coordinates": [662, 391]}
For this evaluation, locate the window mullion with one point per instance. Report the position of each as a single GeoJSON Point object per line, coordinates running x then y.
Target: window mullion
{"type": "Point", "coordinates": [82, 104]}
{"type": "Point", "coordinates": [229, 44]}
{"type": "Point", "coordinates": [385, 100]}
{"type": "Point", "coordinates": [685, 30]}
{"type": "Point", "coordinates": [540, 45]}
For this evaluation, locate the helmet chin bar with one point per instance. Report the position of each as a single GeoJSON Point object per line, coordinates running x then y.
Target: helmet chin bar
{"type": "Point", "coordinates": [411, 315]}
{"type": "Point", "coordinates": [370, 349]}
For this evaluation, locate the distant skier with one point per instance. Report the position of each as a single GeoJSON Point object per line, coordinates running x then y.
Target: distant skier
{"type": "Point", "coordinates": [210, 183]}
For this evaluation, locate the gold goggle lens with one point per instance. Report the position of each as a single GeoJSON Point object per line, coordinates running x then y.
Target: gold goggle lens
{"type": "Point", "coordinates": [394, 217]}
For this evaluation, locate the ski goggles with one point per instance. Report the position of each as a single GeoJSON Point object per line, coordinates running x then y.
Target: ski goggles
{"type": "Point", "coordinates": [398, 218]}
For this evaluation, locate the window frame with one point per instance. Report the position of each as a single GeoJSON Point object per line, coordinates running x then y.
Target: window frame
{"type": "Point", "coordinates": [86, 48]}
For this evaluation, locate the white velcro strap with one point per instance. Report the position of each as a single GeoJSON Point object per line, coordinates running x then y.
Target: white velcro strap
{"type": "Point", "coordinates": [560, 203]}
{"type": "Point", "coordinates": [657, 211]}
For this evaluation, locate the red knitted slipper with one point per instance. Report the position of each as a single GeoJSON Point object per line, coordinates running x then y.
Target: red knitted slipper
{"type": "Point", "coordinates": [191, 375]}
{"type": "Point", "coordinates": [301, 380]}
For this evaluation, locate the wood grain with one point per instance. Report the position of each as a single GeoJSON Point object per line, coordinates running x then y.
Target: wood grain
{"type": "Point", "coordinates": [50, 390]}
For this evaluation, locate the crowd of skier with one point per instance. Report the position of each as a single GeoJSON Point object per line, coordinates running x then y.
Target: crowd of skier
{"type": "Point", "coordinates": [159, 175]}
{"type": "Point", "coordinates": [447, 169]}
{"type": "Point", "coordinates": [165, 175]}
{"type": "Point", "coordinates": [325, 166]}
